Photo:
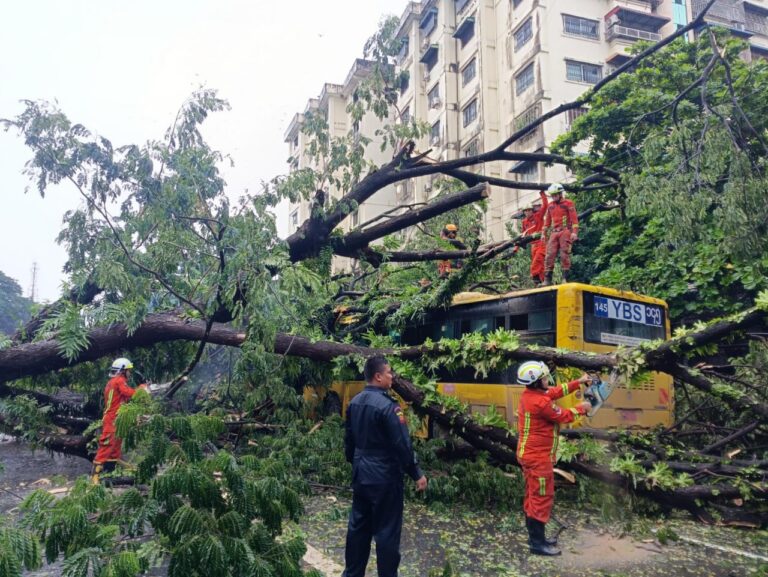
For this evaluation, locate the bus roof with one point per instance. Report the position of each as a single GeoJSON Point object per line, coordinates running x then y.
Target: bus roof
{"type": "Point", "coordinates": [465, 298]}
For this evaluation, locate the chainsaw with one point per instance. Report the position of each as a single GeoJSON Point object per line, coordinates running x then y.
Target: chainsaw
{"type": "Point", "coordinates": [599, 390]}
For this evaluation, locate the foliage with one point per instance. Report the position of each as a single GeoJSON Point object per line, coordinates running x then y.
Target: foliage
{"type": "Point", "coordinates": [15, 309]}
{"type": "Point", "coordinates": [692, 226]}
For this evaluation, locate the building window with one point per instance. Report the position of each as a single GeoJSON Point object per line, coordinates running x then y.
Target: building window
{"type": "Point", "coordinates": [405, 116]}
{"type": "Point", "coordinates": [295, 218]}
{"type": "Point", "coordinates": [469, 113]}
{"type": "Point", "coordinates": [516, 3]}
{"type": "Point", "coordinates": [469, 71]}
{"type": "Point", "coordinates": [434, 133]}
{"type": "Point", "coordinates": [460, 5]}
{"type": "Point", "coordinates": [405, 82]}
{"type": "Point", "coordinates": [433, 98]}
{"type": "Point", "coordinates": [404, 50]}
{"type": "Point", "coordinates": [354, 219]}
{"type": "Point", "coordinates": [583, 27]}
{"type": "Point", "coordinates": [583, 72]}
{"type": "Point", "coordinates": [471, 149]}
{"type": "Point", "coordinates": [295, 141]}
{"type": "Point", "coordinates": [573, 114]}
{"type": "Point", "coordinates": [524, 79]}
{"type": "Point", "coordinates": [466, 31]}
{"type": "Point", "coordinates": [428, 22]}
{"type": "Point", "coordinates": [523, 34]}
{"type": "Point", "coordinates": [528, 173]}
{"type": "Point", "coordinates": [528, 116]}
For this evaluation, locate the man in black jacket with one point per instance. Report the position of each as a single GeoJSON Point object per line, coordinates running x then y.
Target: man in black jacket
{"type": "Point", "coordinates": [377, 443]}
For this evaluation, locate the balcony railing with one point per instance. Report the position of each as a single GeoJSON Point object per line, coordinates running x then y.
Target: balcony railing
{"type": "Point", "coordinates": [618, 31]}
{"type": "Point", "coordinates": [729, 10]}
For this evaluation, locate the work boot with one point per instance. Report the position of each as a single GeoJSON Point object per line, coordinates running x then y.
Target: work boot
{"type": "Point", "coordinates": [565, 276]}
{"type": "Point", "coordinates": [96, 473]}
{"type": "Point", "coordinates": [536, 282]}
{"type": "Point", "coordinates": [548, 541]}
{"type": "Point", "coordinates": [547, 279]}
{"type": "Point", "coordinates": [537, 541]}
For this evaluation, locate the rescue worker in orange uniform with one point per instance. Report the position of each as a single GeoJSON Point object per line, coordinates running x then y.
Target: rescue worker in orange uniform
{"type": "Point", "coordinates": [533, 223]}
{"type": "Point", "coordinates": [561, 229]}
{"type": "Point", "coordinates": [538, 424]}
{"type": "Point", "coordinates": [450, 233]}
{"type": "Point", "coordinates": [116, 393]}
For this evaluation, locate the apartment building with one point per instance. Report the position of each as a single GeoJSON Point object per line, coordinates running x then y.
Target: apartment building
{"type": "Point", "coordinates": [481, 69]}
{"type": "Point", "coordinates": [333, 102]}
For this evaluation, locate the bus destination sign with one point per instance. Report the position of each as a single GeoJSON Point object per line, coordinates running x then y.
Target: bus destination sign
{"type": "Point", "coordinates": [627, 311]}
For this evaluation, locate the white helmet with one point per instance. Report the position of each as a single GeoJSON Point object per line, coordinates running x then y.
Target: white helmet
{"type": "Point", "coordinates": [555, 188]}
{"type": "Point", "coordinates": [530, 372]}
{"type": "Point", "coordinates": [119, 365]}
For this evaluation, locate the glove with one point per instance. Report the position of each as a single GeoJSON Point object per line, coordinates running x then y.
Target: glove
{"type": "Point", "coordinates": [574, 237]}
{"type": "Point", "coordinates": [584, 407]}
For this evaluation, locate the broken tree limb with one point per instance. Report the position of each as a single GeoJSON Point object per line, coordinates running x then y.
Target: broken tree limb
{"type": "Point", "coordinates": [352, 243]}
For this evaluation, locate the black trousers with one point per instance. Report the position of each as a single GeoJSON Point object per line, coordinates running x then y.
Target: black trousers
{"type": "Point", "coordinates": [377, 513]}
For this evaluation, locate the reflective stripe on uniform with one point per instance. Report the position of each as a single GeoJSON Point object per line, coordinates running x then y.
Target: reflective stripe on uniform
{"type": "Point", "coordinates": [542, 485]}
{"type": "Point", "coordinates": [109, 400]}
{"type": "Point", "coordinates": [555, 440]}
{"type": "Point", "coordinates": [526, 430]}
{"type": "Point", "coordinates": [575, 411]}
{"type": "Point", "coordinates": [564, 386]}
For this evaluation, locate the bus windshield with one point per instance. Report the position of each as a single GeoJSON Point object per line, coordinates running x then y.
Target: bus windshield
{"type": "Point", "coordinates": [615, 321]}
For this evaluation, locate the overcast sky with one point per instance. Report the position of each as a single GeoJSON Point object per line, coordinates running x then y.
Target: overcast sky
{"type": "Point", "coordinates": [123, 68]}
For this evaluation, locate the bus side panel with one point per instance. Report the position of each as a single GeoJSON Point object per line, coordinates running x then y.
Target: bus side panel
{"type": "Point", "coordinates": [645, 405]}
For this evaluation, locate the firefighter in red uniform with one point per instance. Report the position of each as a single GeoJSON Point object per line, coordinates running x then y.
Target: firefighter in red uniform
{"type": "Point", "coordinates": [116, 393]}
{"type": "Point", "coordinates": [538, 424]}
{"type": "Point", "coordinates": [533, 223]}
{"type": "Point", "coordinates": [561, 229]}
{"type": "Point", "coordinates": [445, 267]}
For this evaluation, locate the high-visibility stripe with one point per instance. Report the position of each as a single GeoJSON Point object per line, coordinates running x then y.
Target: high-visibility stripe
{"type": "Point", "coordinates": [109, 400]}
{"type": "Point", "coordinates": [526, 431]}
{"type": "Point", "coordinates": [575, 411]}
{"type": "Point", "coordinates": [542, 486]}
{"type": "Point", "coordinates": [555, 441]}
{"type": "Point", "coordinates": [564, 386]}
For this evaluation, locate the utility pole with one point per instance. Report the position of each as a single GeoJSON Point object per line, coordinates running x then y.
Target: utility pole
{"type": "Point", "coordinates": [33, 289]}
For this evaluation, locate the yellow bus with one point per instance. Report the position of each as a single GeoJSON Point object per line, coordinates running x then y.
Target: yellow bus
{"type": "Point", "coordinates": [572, 316]}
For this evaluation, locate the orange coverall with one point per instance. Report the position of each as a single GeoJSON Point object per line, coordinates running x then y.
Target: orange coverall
{"type": "Point", "coordinates": [538, 425]}
{"type": "Point", "coordinates": [116, 393]}
{"type": "Point", "coordinates": [532, 225]}
{"type": "Point", "coordinates": [560, 221]}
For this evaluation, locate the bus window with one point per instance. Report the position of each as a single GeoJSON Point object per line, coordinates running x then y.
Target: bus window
{"type": "Point", "coordinates": [482, 326]}
{"type": "Point", "coordinates": [518, 322]}
{"type": "Point", "coordinates": [541, 321]}
{"type": "Point", "coordinates": [612, 321]}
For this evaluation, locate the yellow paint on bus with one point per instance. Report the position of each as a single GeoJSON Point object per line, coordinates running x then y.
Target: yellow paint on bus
{"type": "Point", "coordinates": [641, 406]}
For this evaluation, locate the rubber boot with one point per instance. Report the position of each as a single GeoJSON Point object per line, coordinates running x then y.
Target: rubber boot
{"type": "Point", "coordinates": [528, 521]}
{"type": "Point", "coordinates": [565, 276]}
{"type": "Point", "coordinates": [547, 279]}
{"type": "Point", "coordinates": [536, 282]}
{"type": "Point", "coordinates": [96, 472]}
{"type": "Point", "coordinates": [538, 542]}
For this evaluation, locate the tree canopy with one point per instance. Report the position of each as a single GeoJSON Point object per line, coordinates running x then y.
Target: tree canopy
{"type": "Point", "coordinates": [162, 264]}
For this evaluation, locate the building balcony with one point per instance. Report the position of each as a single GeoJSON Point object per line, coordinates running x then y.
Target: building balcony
{"type": "Point", "coordinates": [529, 142]}
{"type": "Point", "coordinates": [616, 31]}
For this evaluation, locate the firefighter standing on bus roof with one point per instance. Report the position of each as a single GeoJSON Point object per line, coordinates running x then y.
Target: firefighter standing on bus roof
{"type": "Point", "coordinates": [116, 393]}
{"type": "Point", "coordinates": [561, 229]}
{"type": "Point", "coordinates": [533, 223]}
{"type": "Point", "coordinates": [450, 233]}
{"type": "Point", "coordinates": [538, 424]}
